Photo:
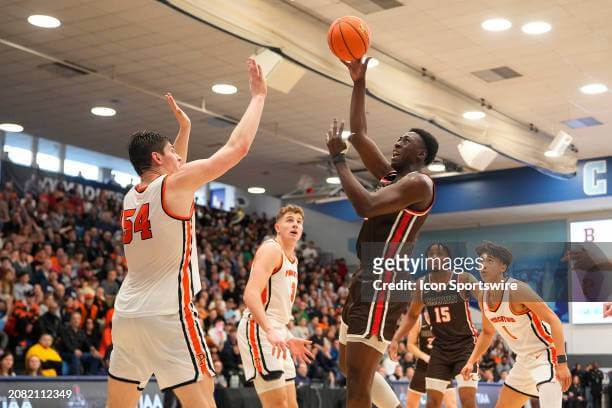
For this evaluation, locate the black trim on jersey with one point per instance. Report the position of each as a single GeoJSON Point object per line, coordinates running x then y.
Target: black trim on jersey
{"type": "Point", "coordinates": [289, 379]}
{"type": "Point", "coordinates": [179, 385]}
{"type": "Point", "coordinates": [211, 369]}
{"type": "Point", "coordinates": [191, 353]}
{"type": "Point", "coordinates": [114, 377]}
{"type": "Point", "coordinates": [263, 360]}
{"type": "Point", "coordinates": [269, 293]}
{"type": "Point", "coordinates": [250, 352]}
{"type": "Point", "coordinates": [521, 392]}
{"type": "Point", "coordinates": [536, 332]}
{"type": "Point", "coordinates": [552, 369]}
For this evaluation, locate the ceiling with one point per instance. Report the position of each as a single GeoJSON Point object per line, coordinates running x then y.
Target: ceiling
{"type": "Point", "coordinates": [142, 48]}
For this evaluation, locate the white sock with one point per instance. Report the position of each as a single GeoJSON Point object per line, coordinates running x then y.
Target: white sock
{"type": "Point", "coordinates": [550, 395]}
{"type": "Point", "coordinates": [382, 393]}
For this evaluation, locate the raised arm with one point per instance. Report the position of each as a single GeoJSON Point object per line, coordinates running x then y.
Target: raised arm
{"type": "Point", "coordinates": [193, 175]}
{"type": "Point", "coordinates": [369, 152]}
{"type": "Point", "coordinates": [181, 143]}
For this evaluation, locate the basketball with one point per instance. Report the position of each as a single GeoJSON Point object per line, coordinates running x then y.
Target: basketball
{"type": "Point", "coordinates": [348, 38]}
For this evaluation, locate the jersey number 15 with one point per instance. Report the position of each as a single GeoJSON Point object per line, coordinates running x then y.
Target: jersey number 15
{"type": "Point", "coordinates": [140, 224]}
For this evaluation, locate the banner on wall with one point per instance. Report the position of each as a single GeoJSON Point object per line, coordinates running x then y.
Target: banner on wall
{"type": "Point", "coordinates": [29, 179]}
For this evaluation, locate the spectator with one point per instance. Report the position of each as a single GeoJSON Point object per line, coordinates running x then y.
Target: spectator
{"type": "Point", "coordinates": [51, 362]}
{"type": "Point", "coordinates": [487, 376]}
{"type": "Point", "coordinates": [301, 376]}
{"type": "Point", "coordinates": [398, 374]}
{"type": "Point", "coordinates": [76, 350]}
{"type": "Point", "coordinates": [33, 366]}
{"type": "Point", "coordinates": [110, 284]}
{"type": "Point", "coordinates": [575, 396]}
{"type": "Point", "coordinates": [6, 365]}
{"type": "Point", "coordinates": [50, 322]}
{"type": "Point", "coordinates": [301, 330]}
{"type": "Point", "coordinates": [317, 338]}
{"type": "Point", "coordinates": [220, 380]}
{"type": "Point", "coordinates": [22, 286]}
{"type": "Point", "coordinates": [596, 381]}
{"type": "Point", "coordinates": [409, 373]}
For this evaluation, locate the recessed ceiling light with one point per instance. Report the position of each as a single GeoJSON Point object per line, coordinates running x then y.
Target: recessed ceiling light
{"type": "Point", "coordinates": [256, 190]}
{"type": "Point", "coordinates": [333, 180]}
{"type": "Point", "coordinates": [373, 62]}
{"type": "Point", "coordinates": [496, 24]}
{"type": "Point", "coordinates": [11, 127]}
{"type": "Point", "coordinates": [551, 153]}
{"type": "Point", "coordinates": [224, 89]}
{"type": "Point", "coordinates": [593, 89]}
{"type": "Point", "coordinates": [474, 115]}
{"type": "Point", "coordinates": [103, 111]}
{"type": "Point", "coordinates": [437, 166]}
{"type": "Point", "coordinates": [44, 21]}
{"type": "Point", "coordinates": [536, 27]}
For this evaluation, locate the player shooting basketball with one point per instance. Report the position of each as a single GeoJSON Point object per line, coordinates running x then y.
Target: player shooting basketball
{"type": "Point", "coordinates": [394, 214]}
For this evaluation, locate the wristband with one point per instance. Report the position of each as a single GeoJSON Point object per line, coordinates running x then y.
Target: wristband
{"type": "Point", "coordinates": [339, 158]}
{"type": "Point", "coordinates": [561, 358]}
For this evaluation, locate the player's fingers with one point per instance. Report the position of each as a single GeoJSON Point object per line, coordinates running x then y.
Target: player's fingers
{"type": "Point", "coordinates": [334, 126]}
{"type": "Point", "coordinates": [366, 61]}
{"type": "Point", "coordinates": [340, 130]}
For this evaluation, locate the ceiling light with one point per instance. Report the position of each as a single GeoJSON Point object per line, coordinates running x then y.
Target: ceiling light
{"type": "Point", "coordinates": [559, 145]}
{"type": "Point", "coordinates": [44, 21]}
{"type": "Point", "coordinates": [593, 89]}
{"type": "Point", "coordinates": [103, 111]}
{"type": "Point", "coordinates": [373, 62]}
{"type": "Point", "coordinates": [496, 24]}
{"type": "Point", "coordinates": [224, 89]}
{"type": "Point", "coordinates": [333, 180]}
{"type": "Point", "coordinates": [475, 155]}
{"type": "Point", "coordinates": [11, 127]}
{"type": "Point", "coordinates": [474, 115]}
{"type": "Point", "coordinates": [346, 134]}
{"type": "Point", "coordinates": [536, 27]}
{"type": "Point", "coordinates": [437, 166]}
{"type": "Point", "coordinates": [256, 190]}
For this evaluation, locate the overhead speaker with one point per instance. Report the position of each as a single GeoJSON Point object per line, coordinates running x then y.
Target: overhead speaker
{"type": "Point", "coordinates": [475, 155]}
{"type": "Point", "coordinates": [281, 74]}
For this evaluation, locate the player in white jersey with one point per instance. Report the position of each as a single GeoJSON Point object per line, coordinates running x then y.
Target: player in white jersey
{"type": "Point", "coordinates": [156, 329]}
{"type": "Point", "coordinates": [265, 343]}
{"type": "Point", "coordinates": [531, 330]}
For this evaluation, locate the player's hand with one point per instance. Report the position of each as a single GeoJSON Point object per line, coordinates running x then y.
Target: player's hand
{"type": "Point", "coordinates": [279, 346]}
{"type": "Point", "coordinates": [335, 144]}
{"type": "Point", "coordinates": [299, 351]}
{"type": "Point", "coordinates": [564, 376]}
{"type": "Point", "coordinates": [466, 371]}
{"type": "Point", "coordinates": [357, 69]}
{"type": "Point", "coordinates": [179, 114]}
{"type": "Point", "coordinates": [426, 358]}
{"type": "Point", "coordinates": [257, 82]}
{"type": "Point", "coordinates": [607, 309]}
{"type": "Point", "coordinates": [392, 350]}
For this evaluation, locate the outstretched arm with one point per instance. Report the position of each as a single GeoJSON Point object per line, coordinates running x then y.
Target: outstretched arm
{"type": "Point", "coordinates": [406, 324]}
{"type": "Point", "coordinates": [482, 344]}
{"type": "Point", "coordinates": [193, 175]}
{"type": "Point", "coordinates": [181, 143]}
{"type": "Point", "coordinates": [370, 154]}
{"type": "Point", "coordinates": [413, 343]}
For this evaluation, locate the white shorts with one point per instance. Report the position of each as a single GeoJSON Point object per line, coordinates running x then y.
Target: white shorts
{"type": "Point", "coordinates": [530, 371]}
{"type": "Point", "coordinates": [267, 371]}
{"type": "Point", "coordinates": [372, 341]}
{"type": "Point", "coordinates": [171, 347]}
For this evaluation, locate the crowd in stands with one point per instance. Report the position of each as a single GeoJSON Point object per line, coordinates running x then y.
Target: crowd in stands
{"type": "Point", "coordinates": [62, 263]}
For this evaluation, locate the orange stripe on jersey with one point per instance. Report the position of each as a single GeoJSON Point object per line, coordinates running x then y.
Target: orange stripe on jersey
{"type": "Point", "coordinates": [264, 295]}
{"type": "Point", "coordinates": [508, 333]}
{"type": "Point", "coordinates": [186, 284]}
{"type": "Point", "coordinates": [253, 343]}
{"type": "Point", "coordinates": [542, 333]}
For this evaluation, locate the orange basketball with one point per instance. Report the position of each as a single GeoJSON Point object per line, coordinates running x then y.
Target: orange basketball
{"type": "Point", "coordinates": [348, 38]}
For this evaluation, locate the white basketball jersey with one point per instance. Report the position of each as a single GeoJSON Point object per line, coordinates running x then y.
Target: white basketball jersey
{"type": "Point", "coordinates": [279, 293]}
{"type": "Point", "coordinates": [524, 333]}
{"type": "Point", "coordinates": [160, 249]}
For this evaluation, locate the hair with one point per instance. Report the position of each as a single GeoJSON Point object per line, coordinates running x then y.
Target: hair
{"type": "Point", "coordinates": [431, 144]}
{"type": "Point", "coordinates": [290, 208]}
{"type": "Point", "coordinates": [497, 251]}
{"type": "Point", "coordinates": [142, 144]}
{"type": "Point", "coordinates": [5, 355]}
{"type": "Point", "coordinates": [446, 248]}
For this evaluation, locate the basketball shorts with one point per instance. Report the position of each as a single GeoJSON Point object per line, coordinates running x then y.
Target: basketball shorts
{"type": "Point", "coordinates": [267, 371]}
{"type": "Point", "coordinates": [531, 370]}
{"type": "Point", "coordinates": [374, 342]}
{"type": "Point", "coordinates": [446, 363]}
{"type": "Point", "coordinates": [172, 347]}
{"type": "Point", "coordinates": [417, 384]}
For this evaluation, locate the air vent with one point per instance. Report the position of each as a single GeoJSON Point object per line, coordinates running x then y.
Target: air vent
{"type": "Point", "coordinates": [582, 122]}
{"type": "Point", "coordinates": [372, 6]}
{"type": "Point", "coordinates": [496, 74]}
{"type": "Point", "coordinates": [65, 70]}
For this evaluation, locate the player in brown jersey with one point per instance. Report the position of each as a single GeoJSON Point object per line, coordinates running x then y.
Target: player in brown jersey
{"type": "Point", "coordinates": [394, 214]}
{"type": "Point", "coordinates": [454, 333]}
